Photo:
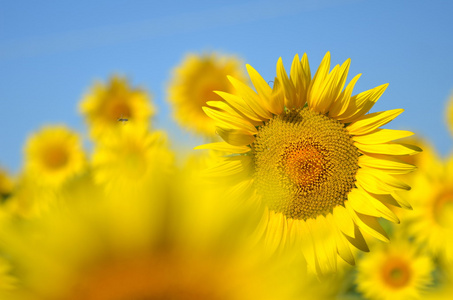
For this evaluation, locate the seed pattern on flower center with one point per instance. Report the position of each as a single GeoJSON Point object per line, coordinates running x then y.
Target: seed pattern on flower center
{"type": "Point", "coordinates": [305, 163]}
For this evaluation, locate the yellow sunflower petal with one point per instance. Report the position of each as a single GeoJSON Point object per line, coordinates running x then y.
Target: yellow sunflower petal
{"type": "Point", "coordinates": [261, 86]}
{"type": "Point", "coordinates": [276, 231]}
{"type": "Point", "coordinates": [224, 106]}
{"type": "Point", "coordinates": [306, 73]}
{"type": "Point", "coordinates": [360, 203]}
{"type": "Point", "coordinates": [389, 164]}
{"type": "Point", "coordinates": [361, 103]}
{"type": "Point", "coordinates": [251, 98]}
{"type": "Point", "coordinates": [326, 250]}
{"type": "Point", "coordinates": [343, 220]}
{"type": "Point", "coordinates": [240, 105]}
{"type": "Point", "coordinates": [337, 84]}
{"type": "Point", "coordinates": [288, 86]}
{"type": "Point", "coordinates": [385, 212]}
{"type": "Point", "coordinates": [380, 136]}
{"type": "Point", "coordinates": [317, 83]}
{"type": "Point", "coordinates": [379, 182]}
{"type": "Point", "coordinates": [389, 199]}
{"type": "Point", "coordinates": [342, 103]}
{"type": "Point", "coordinates": [328, 242]}
{"type": "Point", "coordinates": [277, 98]}
{"type": "Point", "coordinates": [224, 119]}
{"type": "Point", "coordinates": [235, 137]}
{"type": "Point", "coordinates": [225, 147]}
{"type": "Point", "coordinates": [343, 248]}
{"type": "Point", "coordinates": [370, 122]}
{"type": "Point", "coordinates": [371, 226]}
{"type": "Point", "coordinates": [342, 76]}
{"type": "Point", "coordinates": [230, 166]}
{"type": "Point", "coordinates": [401, 200]}
{"type": "Point", "coordinates": [261, 227]}
{"type": "Point", "coordinates": [302, 232]}
{"type": "Point", "coordinates": [299, 81]}
{"type": "Point", "coordinates": [358, 241]}
{"type": "Point", "coordinates": [327, 91]}
{"type": "Point", "coordinates": [296, 69]}
{"type": "Point", "coordinates": [389, 148]}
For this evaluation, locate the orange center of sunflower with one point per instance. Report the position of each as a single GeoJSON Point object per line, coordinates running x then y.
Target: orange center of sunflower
{"type": "Point", "coordinates": [160, 277]}
{"type": "Point", "coordinates": [55, 157]}
{"type": "Point", "coordinates": [396, 273]}
{"type": "Point", "coordinates": [118, 109]}
{"type": "Point", "coordinates": [443, 209]}
{"type": "Point", "coordinates": [207, 93]}
{"type": "Point", "coordinates": [305, 163]}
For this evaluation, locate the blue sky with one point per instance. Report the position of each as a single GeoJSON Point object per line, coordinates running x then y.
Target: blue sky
{"type": "Point", "coordinates": [52, 51]}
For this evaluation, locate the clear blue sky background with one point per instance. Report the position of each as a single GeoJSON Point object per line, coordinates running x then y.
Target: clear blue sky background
{"type": "Point", "coordinates": [52, 51]}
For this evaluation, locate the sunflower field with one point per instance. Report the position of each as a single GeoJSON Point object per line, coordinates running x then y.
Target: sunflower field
{"type": "Point", "coordinates": [298, 193]}
{"type": "Point", "coordinates": [226, 150]}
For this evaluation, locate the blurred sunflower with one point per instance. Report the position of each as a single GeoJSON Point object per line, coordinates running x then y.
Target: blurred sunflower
{"type": "Point", "coordinates": [444, 288]}
{"type": "Point", "coordinates": [53, 155]}
{"type": "Point", "coordinates": [131, 156]}
{"type": "Point", "coordinates": [107, 251]}
{"type": "Point", "coordinates": [394, 271]}
{"type": "Point", "coordinates": [320, 167]}
{"type": "Point", "coordinates": [431, 222]}
{"type": "Point", "coordinates": [104, 105]}
{"type": "Point", "coordinates": [193, 84]}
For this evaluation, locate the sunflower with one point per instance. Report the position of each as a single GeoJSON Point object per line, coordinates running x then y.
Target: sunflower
{"type": "Point", "coordinates": [131, 156]}
{"type": "Point", "coordinates": [54, 155]}
{"type": "Point", "coordinates": [193, 84]}
{"type": "Point", "coordinates": [106, 106]}
{"type": "Point", "coordinates": [432, 197]}
{"type": "Point", "coordinates": [141, 249]}
{"type": "Point", "coordinates": [394, 271]}
{"type": "Point", "coordinates": [320, 167]}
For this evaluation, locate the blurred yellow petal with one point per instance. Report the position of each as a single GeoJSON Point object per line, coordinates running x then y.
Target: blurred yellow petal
{"type": "Point", "coordinates": [222, 146]}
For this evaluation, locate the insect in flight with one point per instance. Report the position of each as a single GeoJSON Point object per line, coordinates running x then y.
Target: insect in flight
{"type": "Point", "coordinates": [122, 119]}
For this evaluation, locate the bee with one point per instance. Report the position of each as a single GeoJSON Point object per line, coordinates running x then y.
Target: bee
{"type": "Point", "coordinates": [121, 119]}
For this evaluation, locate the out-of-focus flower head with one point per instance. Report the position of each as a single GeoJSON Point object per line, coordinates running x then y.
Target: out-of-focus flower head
{"type": "Point", "coordinates": [431, 222]}
{"type": "Point", "coordinates": [131, 156]}
{"type": "Point", "coordinates": [141, 248]}
{"type": "Point", "coordinates": [321, 168]}
{"type": "Point", "coordinates": [107, 106]}
{"type": "Point", "coordinates": [53, 155]}
{"type": "Point", "coordinates": [194, 83]}
{"type": "Point", "coordinates": [394, 271]}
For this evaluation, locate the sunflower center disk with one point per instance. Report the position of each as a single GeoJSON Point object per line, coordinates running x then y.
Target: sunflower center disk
{"type": "Point", "coordinates": [305, 163]}
{"type": "Point", "coordinates": [396, 273]}
{"type": "Point", "coordinates": [55, 157]}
